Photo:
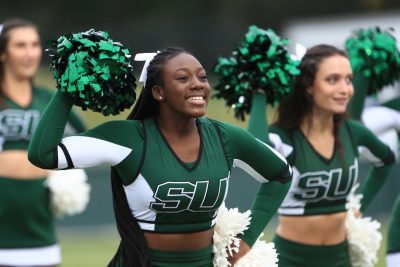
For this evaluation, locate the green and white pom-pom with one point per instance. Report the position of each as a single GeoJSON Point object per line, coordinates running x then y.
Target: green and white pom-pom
{"type": "Point", "coordinates": [374, 53]}
{"type": "Point", "coordinates": [229, 224]}
{"type": "Point", "coordinates": [69, 192]}
{"type": "Point", "coordinates": [94, 70]}
{"type": "Point", "coordinates": [362, 233]}
{"type": "Point", "coordinates": [260, 62]}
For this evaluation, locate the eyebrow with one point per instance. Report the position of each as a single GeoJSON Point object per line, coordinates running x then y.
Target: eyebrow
{"type": "Point", "coordinates": [187, 69]}
{"type": "Point", "coordinates": [338, 74]}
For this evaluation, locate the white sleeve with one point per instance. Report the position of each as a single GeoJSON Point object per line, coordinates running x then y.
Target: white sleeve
{"type": "Point", "coordinates": [83, 152]}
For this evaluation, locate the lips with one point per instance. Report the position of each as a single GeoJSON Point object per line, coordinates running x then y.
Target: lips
{"type": "Point", "coordinates": [197, 100]}
{"type": "Point", "coordinates": [341, 100]}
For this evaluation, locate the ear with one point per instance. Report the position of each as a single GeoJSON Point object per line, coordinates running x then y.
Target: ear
{"type": "Point", "coordinates": [157, 92]}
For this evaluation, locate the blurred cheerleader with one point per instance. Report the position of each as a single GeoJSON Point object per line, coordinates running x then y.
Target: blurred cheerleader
{"type": "Point", "coordinates": [26, 220]}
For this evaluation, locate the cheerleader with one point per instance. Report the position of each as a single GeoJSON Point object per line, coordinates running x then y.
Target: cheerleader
{"type": "Point", "coordinates": [170, 166]}
{"type": "Point", "coordinates": [321, 144]}
{"type": "Point", "coordinates": [26, 221]}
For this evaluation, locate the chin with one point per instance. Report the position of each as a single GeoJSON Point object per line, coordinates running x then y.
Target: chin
{"type": "Point", "coordinates": [198, 114]}
{"type": "Point", "coordinates": [28, 72]}
{"type": "Point", "coordinates": [27, 75]}
{"type": "Point", "coordinates": [341, 111]}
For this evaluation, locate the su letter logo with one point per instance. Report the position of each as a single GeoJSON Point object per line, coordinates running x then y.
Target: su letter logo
{"type": "Point", "coordinates": [173, 197]}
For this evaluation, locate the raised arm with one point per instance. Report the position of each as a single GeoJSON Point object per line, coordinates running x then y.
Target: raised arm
{"type": "Point", "coordinates": [75, 124]}
{"type": "Point", "coordinates": [258, 125]}
{"type": "Point", "coordinates": [356, 104]}
{"type": "Point", "coordinates": [378, 154]}
{"type": "Point", "coordinates": [98, 146]}
{"type": "Point", "coordinates": [265, 165]}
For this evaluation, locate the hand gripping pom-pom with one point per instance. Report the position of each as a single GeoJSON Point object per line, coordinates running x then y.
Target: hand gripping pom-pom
{"type": "Point", "coordinates": [374, 54]}
{"type": "Point", "coordinates": [363, 234]}
{"type": "Point", "coordinates": [229, 225]}
{"type": "Point", "coordinates": [94, 70]}
{"type": "Point", "coordinates": [260, 62]}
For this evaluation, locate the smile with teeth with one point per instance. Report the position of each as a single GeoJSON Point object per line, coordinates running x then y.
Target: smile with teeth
{"type": "Point", "coordinates": [198, 100]}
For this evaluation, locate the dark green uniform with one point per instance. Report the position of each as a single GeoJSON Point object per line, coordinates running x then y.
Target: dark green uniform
{"type": "Point", "coordinates": [393, 242]}
{"type": "Point", "coordinates": [165, 194]}
{"type": "Point", "coordinates": [26, 221]}
{"type": "Point", "coordinates": [321, 185]}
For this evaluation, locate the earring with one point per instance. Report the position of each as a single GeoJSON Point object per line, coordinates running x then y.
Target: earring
{"type": "Point", "coordinates": [160, 98]}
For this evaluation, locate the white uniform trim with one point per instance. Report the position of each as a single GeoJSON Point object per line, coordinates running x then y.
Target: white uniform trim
{"type": "Point", "coordinates": [273, 151]}
{"type": "Point", "coordinates": [139, 195]}
{"type": "Point", "coordinates": [291, 206]}
{"type": "Point", "coordinates": [88, 152]}
{"type": "Point", "coordinates": [147, 226]}
{"type": "Point", "coordinates": [247, 168]}
{"type": "Point", "coordinates": [393, 259]}
{"type": "Point", "coordinates": [279, 145]}
{"type": "Point", "coordinates": [42, 256]}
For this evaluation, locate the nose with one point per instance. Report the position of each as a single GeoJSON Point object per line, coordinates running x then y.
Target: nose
{"type": "Point", "coordinates": [32, 51]}
{"type": "Point", "coordinates": [197, 84]}
{"type": "Point", "coordinates": [346, 88]}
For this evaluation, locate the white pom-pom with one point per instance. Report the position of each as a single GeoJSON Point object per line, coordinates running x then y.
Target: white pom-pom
{"type": "Point", "coordinates": [262, 254]}
{"type": "Point", "coordinates": [362, 234]}
{"type": "Point", "coordinates": [229, 224]}
{"type": "Point", "coordinates": [70, 192]}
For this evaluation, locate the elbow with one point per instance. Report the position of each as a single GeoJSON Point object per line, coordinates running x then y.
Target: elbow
{"type": "Point", "coordinates": [33, 157]}
{"type": "Point", "coordinates": [36, 158]}
{"type": "Point", "coordinates": [392, 158]}
{"type": "Point", "coordinates": [285, 176]}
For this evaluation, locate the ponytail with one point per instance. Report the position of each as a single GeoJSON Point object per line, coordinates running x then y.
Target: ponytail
{"type": "Point", "coordinates": [132, 250]}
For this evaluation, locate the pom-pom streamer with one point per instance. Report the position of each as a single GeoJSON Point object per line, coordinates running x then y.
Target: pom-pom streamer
{"type": "Point", "coordinates": [362, 234]}
{"type": "Point", "coordinates": [373, 52]}
{"type": "Point", "coordinates": [260, 62]}
{"type": "Point", "coordinates": [229, 225]}
{"type": "Point", "coordinates": [94, 70]}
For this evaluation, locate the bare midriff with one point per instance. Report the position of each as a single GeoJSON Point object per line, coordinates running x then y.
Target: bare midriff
{"type": "Point", "coordinates": [326, 229]}
{"type": "Point", "coordinates": [15, 165]}
{"type": "Point", "coordinates": [180, 241]}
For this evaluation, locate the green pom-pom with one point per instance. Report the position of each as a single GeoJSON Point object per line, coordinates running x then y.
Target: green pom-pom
{"type": "Point", "coordinates": [260, 62]}
{"type": "Point", "coordinates": [373, 52]}
{"type": "Point", "coordinates": [94, 70]}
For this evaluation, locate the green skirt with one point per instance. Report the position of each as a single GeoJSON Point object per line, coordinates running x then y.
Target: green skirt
{"type": "Point", "coordinates": [293, 254]}
{"type": "Point", "coordinates": [196, 258]}
{"type": "Point", "coordinates": [393, 242]}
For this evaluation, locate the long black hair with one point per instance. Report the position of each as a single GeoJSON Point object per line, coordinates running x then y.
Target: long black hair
{"type": "Point", "coordinates": [299, 103]}
{"type": "Point", "coordinates": [133, 250]}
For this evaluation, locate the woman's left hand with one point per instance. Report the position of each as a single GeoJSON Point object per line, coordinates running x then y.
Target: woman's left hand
{"type": "Point", "coordinates": [243, 250]}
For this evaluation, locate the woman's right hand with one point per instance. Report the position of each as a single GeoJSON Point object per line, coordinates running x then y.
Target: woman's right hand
{"type": "Point", "coordinates": [243, 250]}
{"type": "Point", "coordinates": [15, 164]}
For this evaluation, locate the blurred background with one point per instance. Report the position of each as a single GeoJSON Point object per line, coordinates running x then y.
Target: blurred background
{"type": "Point", "coordinates": [208, 29]}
